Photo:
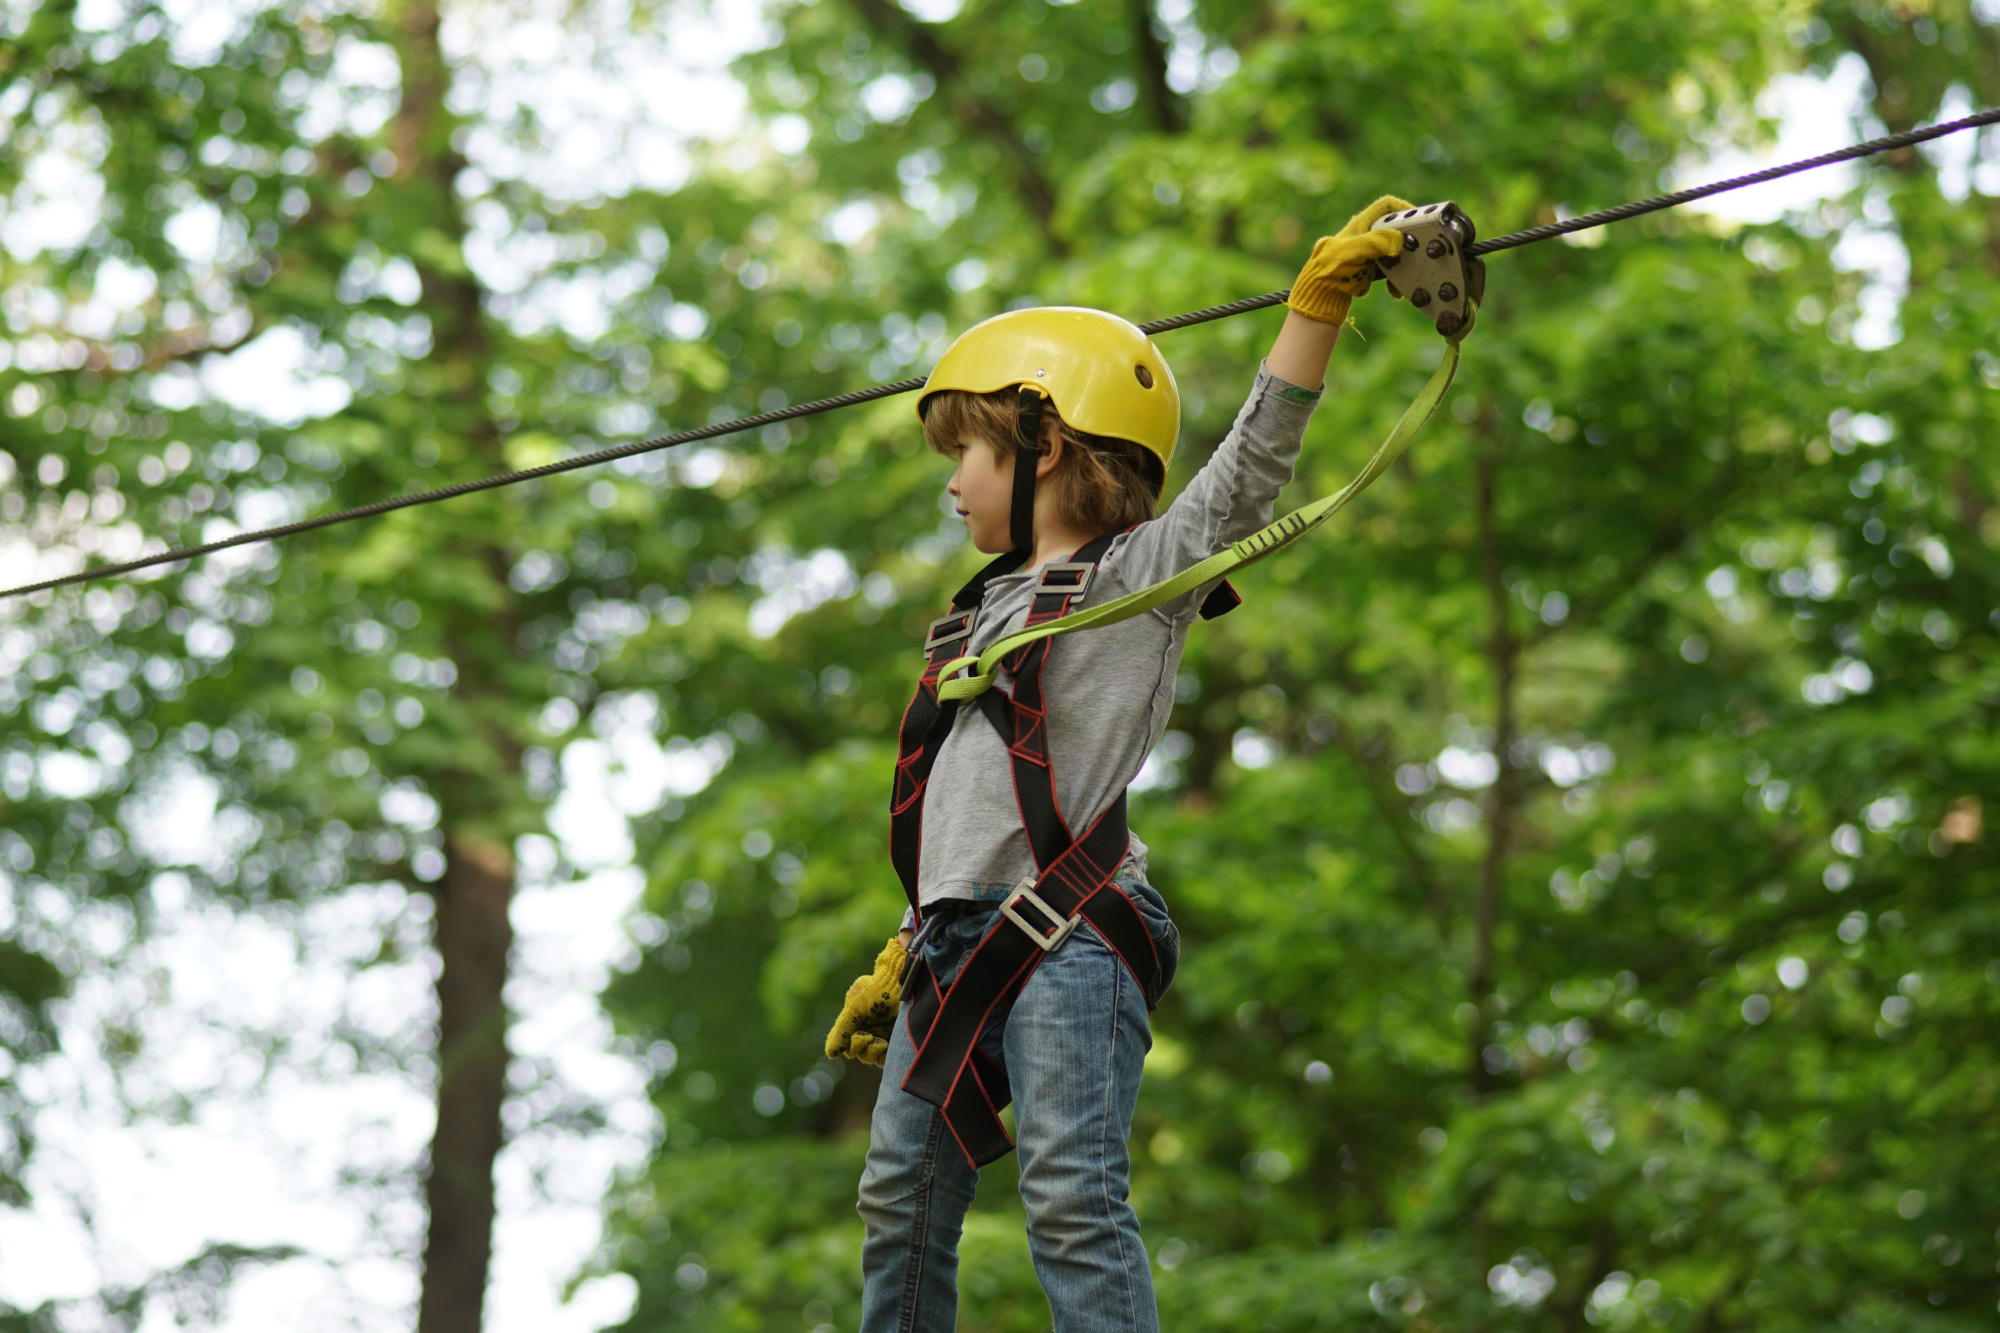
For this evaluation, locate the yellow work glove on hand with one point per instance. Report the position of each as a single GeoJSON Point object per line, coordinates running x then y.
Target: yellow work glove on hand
{"type": "Point", "coordinates": [869, 1013]}
{"type": "Point", "coordinates": [1343, 264]}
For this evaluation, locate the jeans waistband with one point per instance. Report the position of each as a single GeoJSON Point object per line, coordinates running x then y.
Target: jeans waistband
{"type": "Point", "coordinates": [951, 909]}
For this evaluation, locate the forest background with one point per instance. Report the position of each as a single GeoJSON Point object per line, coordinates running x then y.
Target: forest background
{"type": "Point", "coordinates": [1581, 848]}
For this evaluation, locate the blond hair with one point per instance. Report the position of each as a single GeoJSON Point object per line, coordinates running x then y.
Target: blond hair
{"type": "Point", "coordinates": [1101, 484]}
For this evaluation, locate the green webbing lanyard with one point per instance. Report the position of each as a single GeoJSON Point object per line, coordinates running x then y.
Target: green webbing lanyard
{"type": "Point", "coordinates": [1267, 541]}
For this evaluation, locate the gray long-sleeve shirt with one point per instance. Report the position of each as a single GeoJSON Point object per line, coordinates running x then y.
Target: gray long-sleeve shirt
{"type": "Point", "coordinates": [1109, 691]}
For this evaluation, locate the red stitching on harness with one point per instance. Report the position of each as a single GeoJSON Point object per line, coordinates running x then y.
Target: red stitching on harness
{"type": "Point", "coordinates": [986, 1095]}
{"type": "Point", "coordinates": [1007, 992]}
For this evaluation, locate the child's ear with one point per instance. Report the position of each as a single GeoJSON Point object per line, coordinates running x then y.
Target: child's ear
{"type": "Point", "coordinates": [1051, 431]}
{"type": "Point", "coordinates": [1052, 445]}
{"type": "Point", "coordinates": [1052, 449]}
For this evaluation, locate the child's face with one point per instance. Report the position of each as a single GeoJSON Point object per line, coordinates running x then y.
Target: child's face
{"type": "Point", "coordinates": [983, 489]}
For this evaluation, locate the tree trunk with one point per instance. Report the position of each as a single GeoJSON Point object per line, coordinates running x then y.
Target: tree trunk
{"type": "Point", "coordinates": [472, 936]}
{"type": "Point", "coordinates": [1502, 654]}
{"type": "Point", "coordinates": [472, 933]}
{"type": "Point", "coordinates": [1163, 106]}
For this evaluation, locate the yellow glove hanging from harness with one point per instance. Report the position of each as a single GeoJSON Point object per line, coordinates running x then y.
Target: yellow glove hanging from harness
{"type": "Point", "coordinates": [868, 1014]}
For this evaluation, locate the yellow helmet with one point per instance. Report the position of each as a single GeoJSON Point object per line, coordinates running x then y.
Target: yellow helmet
{"type": "Point", "coordinates": [1104, 376]}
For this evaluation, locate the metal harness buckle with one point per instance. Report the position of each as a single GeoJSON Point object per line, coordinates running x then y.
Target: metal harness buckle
{"type": "Point", "coordinates": [1071, 578]}
{"type": "Point", "coordinates": [949, 628]}
{"type": "Point", "coordinates": [1047, 942]}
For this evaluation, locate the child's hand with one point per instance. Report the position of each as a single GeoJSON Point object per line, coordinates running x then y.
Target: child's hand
{"type": "Point", "coordinates": [868, 1015]}
{"type": "Point", "coordinates": [1342, 265]}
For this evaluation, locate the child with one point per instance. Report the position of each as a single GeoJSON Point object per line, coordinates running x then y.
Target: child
{"type": "Point", "coordinates": [1061, 423]}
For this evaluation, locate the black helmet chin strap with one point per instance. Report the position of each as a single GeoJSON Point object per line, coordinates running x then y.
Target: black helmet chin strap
{"type": "Point", "coordinates": [1027, 452]}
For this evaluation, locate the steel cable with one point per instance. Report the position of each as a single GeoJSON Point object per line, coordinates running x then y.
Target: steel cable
{"type": "Point", "coordinates": [1887, 143]}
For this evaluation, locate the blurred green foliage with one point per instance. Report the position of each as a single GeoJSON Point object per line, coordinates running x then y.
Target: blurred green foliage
{"type": "Point", "coordinates": [1580, 928]}
{"type": "Point", "coordinates": [1582, 847]}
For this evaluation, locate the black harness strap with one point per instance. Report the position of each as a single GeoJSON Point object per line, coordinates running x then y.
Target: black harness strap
{"type": "Point", "coordinates": [945, 1023]}
{"type": "Point", "coordinates": [1221, 601]}
{"type": "Point", "coordinates": [1027, 456]}
{"type": "Point", "coordinates": [927, 721]}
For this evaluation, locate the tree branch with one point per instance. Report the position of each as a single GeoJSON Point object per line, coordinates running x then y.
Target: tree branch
{"type": "Point", "coordinates": [1709, 1317]}
{"type": "Point", "coordinates": [973, 112]}
{"type": "Point", "coordinates": [1972, 504]}
{"type": "Point", "coordinates": [1762, 935]}
{"type": "Point", "coordinates": [1364, 1176]}
{"type": "Point", "coordinates": [189, 344]}
{"type": "Point", "coordinates": [1394, 812]}
{"type": "Point", "coordinates": [1568, 1312]}
{"type": "Point", "coordinates": [1587, 607]}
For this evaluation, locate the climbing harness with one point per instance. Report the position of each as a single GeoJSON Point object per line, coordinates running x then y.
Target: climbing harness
{"type": "Point", "coordinates": [758, 420]}
{"type": "Point", "coordinates": [1072, 883]}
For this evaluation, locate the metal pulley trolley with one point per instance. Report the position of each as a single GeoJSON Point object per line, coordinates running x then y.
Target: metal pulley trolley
{"type": "Point", "coordinates": [1437, 272]}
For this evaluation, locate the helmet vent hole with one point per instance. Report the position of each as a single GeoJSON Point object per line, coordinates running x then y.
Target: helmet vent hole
{"type": "Point", "coordinates": [1145, 376]}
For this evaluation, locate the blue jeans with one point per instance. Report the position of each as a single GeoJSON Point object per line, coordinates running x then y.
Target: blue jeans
{"type": "Point", "coordinates": [1074, 1046]}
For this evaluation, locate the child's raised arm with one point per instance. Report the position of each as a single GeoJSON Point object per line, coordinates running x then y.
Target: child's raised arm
{"type": "Point", "coordinates": [1302, 349]}
{"type": "Point", "coordinates": [1339, 270]}
{"type": "Point", "coordinates": [1235, 491]}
